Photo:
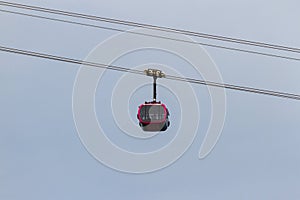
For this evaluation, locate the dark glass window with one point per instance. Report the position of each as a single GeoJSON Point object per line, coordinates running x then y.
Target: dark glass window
{"type": "Point", "coordinates": [152, 113]}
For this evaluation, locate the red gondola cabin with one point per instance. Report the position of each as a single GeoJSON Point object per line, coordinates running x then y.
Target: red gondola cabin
{"type": "Point", "coordinates": [153, 116]}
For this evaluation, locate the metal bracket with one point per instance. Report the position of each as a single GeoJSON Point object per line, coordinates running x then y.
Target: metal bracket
{"type": "Point", "coordinates": [155, 73]}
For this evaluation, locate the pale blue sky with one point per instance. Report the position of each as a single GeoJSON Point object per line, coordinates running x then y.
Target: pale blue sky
{"type": "Point", "coordinates": [257, 156]}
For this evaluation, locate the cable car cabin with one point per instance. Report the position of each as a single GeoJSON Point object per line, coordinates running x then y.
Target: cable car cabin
{"type": "Point", "coordinates": [153, 116]}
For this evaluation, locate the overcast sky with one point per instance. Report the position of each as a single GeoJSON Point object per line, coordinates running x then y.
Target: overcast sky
{"type": "Point", "coordinates": [257, 156]}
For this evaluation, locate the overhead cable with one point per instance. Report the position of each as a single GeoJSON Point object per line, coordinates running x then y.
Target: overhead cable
{"type": "Point", "coordinates": [151, 35]}
{"type": "Point", "coordinates": [150, 26]}
{"type": "Point", "coordinates": [140, 72]}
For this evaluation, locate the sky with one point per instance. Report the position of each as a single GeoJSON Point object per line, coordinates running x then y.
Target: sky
{"type": "Point", "coordinates": [256, 157]}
